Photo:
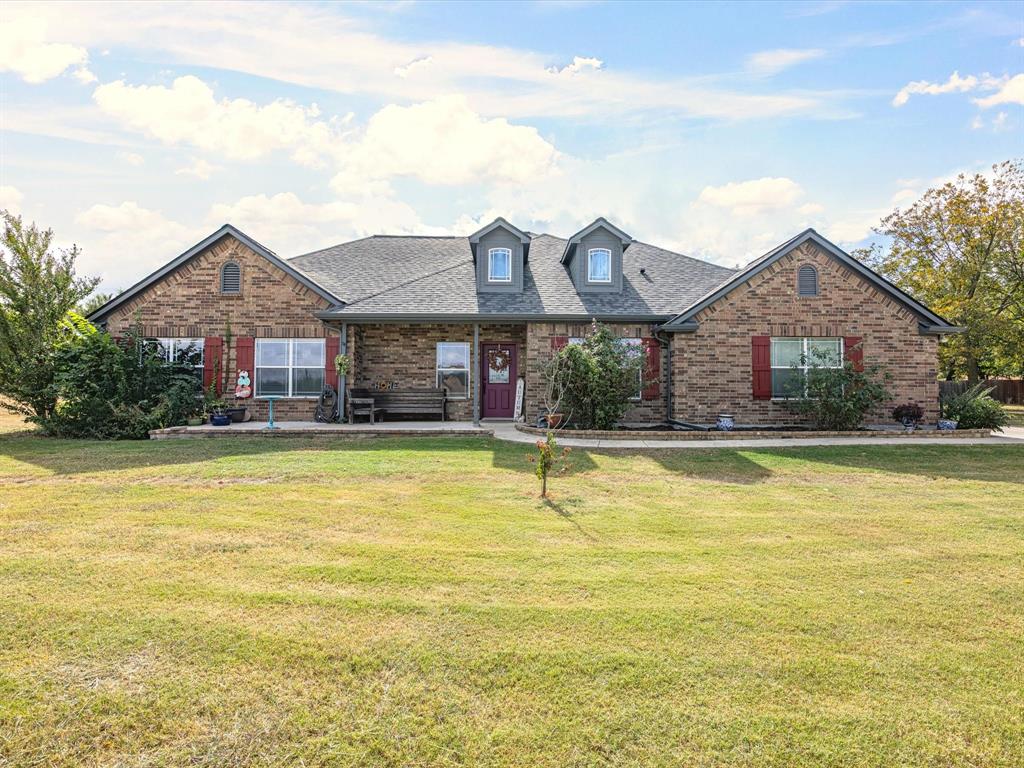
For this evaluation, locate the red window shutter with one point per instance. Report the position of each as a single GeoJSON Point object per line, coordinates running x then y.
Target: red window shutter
{"type": "Point", "coordinates": [761, 364]}
{"type": "Point", "coordinates": [330, 372]}
{"type": "Point", "coordinates": [213, 353]}
{"type": "Point", "coordinates": [557, 342]}
{"type": "Point", "coordinates": [652, 371]}
{"type": "Point", "coordinates": [245, 356]}
{"type": "Point", "coordinates": [853, 351]}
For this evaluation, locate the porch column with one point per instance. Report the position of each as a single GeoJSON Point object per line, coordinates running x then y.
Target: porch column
{"type": "Point", "coordinates": [341, 379]}
{"type": "Point", "coordinates": [475, 373]}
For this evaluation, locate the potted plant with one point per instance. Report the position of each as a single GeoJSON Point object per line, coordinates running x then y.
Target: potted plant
{"type": "Point", "coordinates": [909, 415]}
{"type": "Point", "coordinates": [725, 422]}
{"type": "Point", "coordinates": [218, 413]}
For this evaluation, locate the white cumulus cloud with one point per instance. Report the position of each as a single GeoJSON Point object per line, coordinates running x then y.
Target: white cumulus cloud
{"type": "Point", "coordinates": [955, 84]}
{"type": "Point", "coordinates": [578, 65]}
{"type": "Point", "coordinates": [443, 142]}
{"type": "Point", "coordinates": [1010, 92]}
{"type": "Point", "coordinates": [199, 167]}
{"type": "Point", "coordinates": [25, 50]}
{"type": "Point", "coordinates": [189, 113]}
{"type": "Point", "coordinates": [10, 199]}
{"type": "Point", "coordinates": [754, 196]}
{"type": "Point", "coordinates": [774, 61]}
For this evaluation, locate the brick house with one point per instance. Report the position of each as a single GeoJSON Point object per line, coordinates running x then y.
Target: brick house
{"type": "Point", "coordinates": [476, 314]}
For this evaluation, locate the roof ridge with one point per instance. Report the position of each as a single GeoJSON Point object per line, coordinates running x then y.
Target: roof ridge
{"type": "Point", "coordinates": [459, 263]}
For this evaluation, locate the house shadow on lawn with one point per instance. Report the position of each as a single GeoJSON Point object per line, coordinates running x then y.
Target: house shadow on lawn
{"type": "Point", "coordinates": [719, 464]}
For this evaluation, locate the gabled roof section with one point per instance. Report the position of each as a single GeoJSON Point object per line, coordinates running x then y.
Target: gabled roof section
{"type": "Point", "coordinates": [208, 242]}
{"type": "Point", "coordinates": [501, 223]}
{"type": "Point", "coordinates": [930, 322]}
{"type": "Point", "coordinates": [599, 223]}
{"type": "Point", "coordinates": [656, 282]}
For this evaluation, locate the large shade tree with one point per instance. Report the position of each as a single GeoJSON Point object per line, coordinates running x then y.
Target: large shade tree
{"type": "Point", "coordinates": [960, 250]}
{"type": "Point", "coordinates": [39, 292]}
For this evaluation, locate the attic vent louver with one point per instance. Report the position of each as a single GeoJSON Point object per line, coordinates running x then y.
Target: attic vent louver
{"type": "Point", "coordinates": [807, 281]}
{"type": "Point", "coordinates": [230, 278]}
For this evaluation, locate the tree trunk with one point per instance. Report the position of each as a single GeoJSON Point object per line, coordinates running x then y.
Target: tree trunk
{"type": "Point", "coordinates": [973, 369]}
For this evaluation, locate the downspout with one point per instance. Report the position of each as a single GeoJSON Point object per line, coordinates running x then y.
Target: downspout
{"type": "Point", "coordinates": [342, 379]}
{"type": "Point", "coordinates": [476, 374]}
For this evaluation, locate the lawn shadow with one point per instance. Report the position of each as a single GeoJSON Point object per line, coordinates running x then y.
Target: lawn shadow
{"type": "Point", "coordinates": [565, 514]}
{"type": "Point", "coordinates": [74, 457]}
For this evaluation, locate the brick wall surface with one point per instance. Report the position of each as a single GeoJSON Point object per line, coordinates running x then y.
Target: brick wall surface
{"type": "Point", "coordinates": [539, 351]}
{"type": "Point", "coordinates": [188, 303]}
{"type": "Point", "coordinates": [712, 367]}
{"type": "Point", "coordinates": [407, 355]}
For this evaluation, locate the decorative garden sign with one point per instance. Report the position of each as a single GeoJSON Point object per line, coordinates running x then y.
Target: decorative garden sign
{"type": "Point", "coordinates": [243, 388]}
{"type": "Point", "coordinates": [517, 414]}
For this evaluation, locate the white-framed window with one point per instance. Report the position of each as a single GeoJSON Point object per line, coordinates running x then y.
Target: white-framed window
{"type": "Point", "coordinates": [637, 345]}
{"type": "Point", "coordinates": [599, 265]}
{"type": "Point", "coordinates": [289, 367]}
{"type": "Point", "coordinates": [453, 368]}
{"type": "Point", "coordinates": [181, 350]}
{"type": "Point", "coordinates": [792, 357]}
{"type": "Point", "coordinates": [499, 265]}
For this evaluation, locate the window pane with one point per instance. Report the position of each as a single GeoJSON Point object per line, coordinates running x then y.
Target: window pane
{"type": "Point", "coordinates": [188, 351]}
{"type": "Point", "coordinates": [271, 352]}
{"type": "Point", "coordinates": [787, 382]}
{"type": "Point", "coordinates": [500, 266]}
{"type": "Point", "coordinates": [309, 353]}
{"type": "Point", "coordinates": [272, 381]}
{"type": "Point", "coordinates": [599, 266]}
{"type": "Point", "coordinates": [456, 382]}
{"type": "Point", "coordinates": [824, 352]}
{"type": "Point", "coordinates": [452, 355]}
{"type": "Point", "coordinates": [307, 381]}
{"type": "Point", "coordinates": [786, 352]}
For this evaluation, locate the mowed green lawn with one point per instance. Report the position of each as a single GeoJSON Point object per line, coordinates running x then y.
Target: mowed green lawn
{"type": "Point", "coordinates": [413, 602]}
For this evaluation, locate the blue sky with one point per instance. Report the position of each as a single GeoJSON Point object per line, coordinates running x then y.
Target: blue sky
{"type": "Point", "coordinates": [715, 129]}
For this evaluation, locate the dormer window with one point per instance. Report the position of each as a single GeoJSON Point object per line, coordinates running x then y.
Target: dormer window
{"type": "Point", "coordinates": [599, 265]}
{"type": "Point", "coordinates": [499, 265]}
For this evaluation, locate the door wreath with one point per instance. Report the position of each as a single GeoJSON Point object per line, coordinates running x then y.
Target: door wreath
{"type": "Point", "coordinates": [498, 359]}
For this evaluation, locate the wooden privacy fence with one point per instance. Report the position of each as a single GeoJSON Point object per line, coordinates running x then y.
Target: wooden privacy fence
{"type": "Point", "coordinates": [1009, 391]}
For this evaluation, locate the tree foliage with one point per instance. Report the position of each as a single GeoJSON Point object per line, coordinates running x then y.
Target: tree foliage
{"type": "Point", "coordinates": [593, 382]}
{"type": "Point", "coordinates": [960, 250]}
{"type": "Point", "coordinates": [116, 389]}
{"type": "Point", "coordinates": [836, 398]}
{"type": "Point", "coordinates": [39, 291]}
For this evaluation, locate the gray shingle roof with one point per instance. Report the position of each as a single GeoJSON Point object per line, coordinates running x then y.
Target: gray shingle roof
{"type": "Point", "coordinates": [383, 275]}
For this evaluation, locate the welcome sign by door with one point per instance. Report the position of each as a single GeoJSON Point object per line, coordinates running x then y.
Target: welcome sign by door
{"type": "Point", "coordinates": [520, 392]}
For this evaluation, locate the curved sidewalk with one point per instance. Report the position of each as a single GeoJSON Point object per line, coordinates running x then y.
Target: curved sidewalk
{"type": "Point", "coordinates": [505, 430]}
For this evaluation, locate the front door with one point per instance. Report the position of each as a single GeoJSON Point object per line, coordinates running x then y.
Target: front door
{"type": "Point", "coordinates": [498, 377]}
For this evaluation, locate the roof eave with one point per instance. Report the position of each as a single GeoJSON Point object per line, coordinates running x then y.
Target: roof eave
{"type": "Point", "coordinates": [928, 317]}
{"type": "Point", "coordinates": [493, 317]}
{"type": "Point", "coordinates": [99, 314]}
{"type": "Point", "coordinates": [940, 330]}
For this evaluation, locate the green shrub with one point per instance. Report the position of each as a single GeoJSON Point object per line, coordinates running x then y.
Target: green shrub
{"type": "Point", "coordinates": [836, 399]}
{"type": "Point", "coordinates": [117, 390]}
{"type": "Point", "coordinates": [593, 382]}
{"type": "Point", "coordinates": [975, 409]}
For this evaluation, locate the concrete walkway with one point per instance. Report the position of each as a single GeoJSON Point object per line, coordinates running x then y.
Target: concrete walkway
{"type": "Point", "coordinates": [504, 430]}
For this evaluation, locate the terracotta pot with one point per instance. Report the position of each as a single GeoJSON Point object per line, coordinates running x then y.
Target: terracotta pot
{"type": "Point", "coordinates": [554, 420]}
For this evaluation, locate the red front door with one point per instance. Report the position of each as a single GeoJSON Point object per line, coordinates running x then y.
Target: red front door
{"type": "Point", "coordinates": [498, 378]}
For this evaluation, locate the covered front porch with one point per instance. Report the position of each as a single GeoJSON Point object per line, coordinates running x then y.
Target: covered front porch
{"type": "Point", "coordinates": [478, 365]}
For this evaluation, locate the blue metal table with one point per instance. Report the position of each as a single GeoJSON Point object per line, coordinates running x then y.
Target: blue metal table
{"type": "Point", "coordinates": [270, 415]}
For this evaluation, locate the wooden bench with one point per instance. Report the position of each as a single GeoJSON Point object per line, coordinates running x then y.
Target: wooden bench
{"type": "Point", "coordinates": [425, 402]}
